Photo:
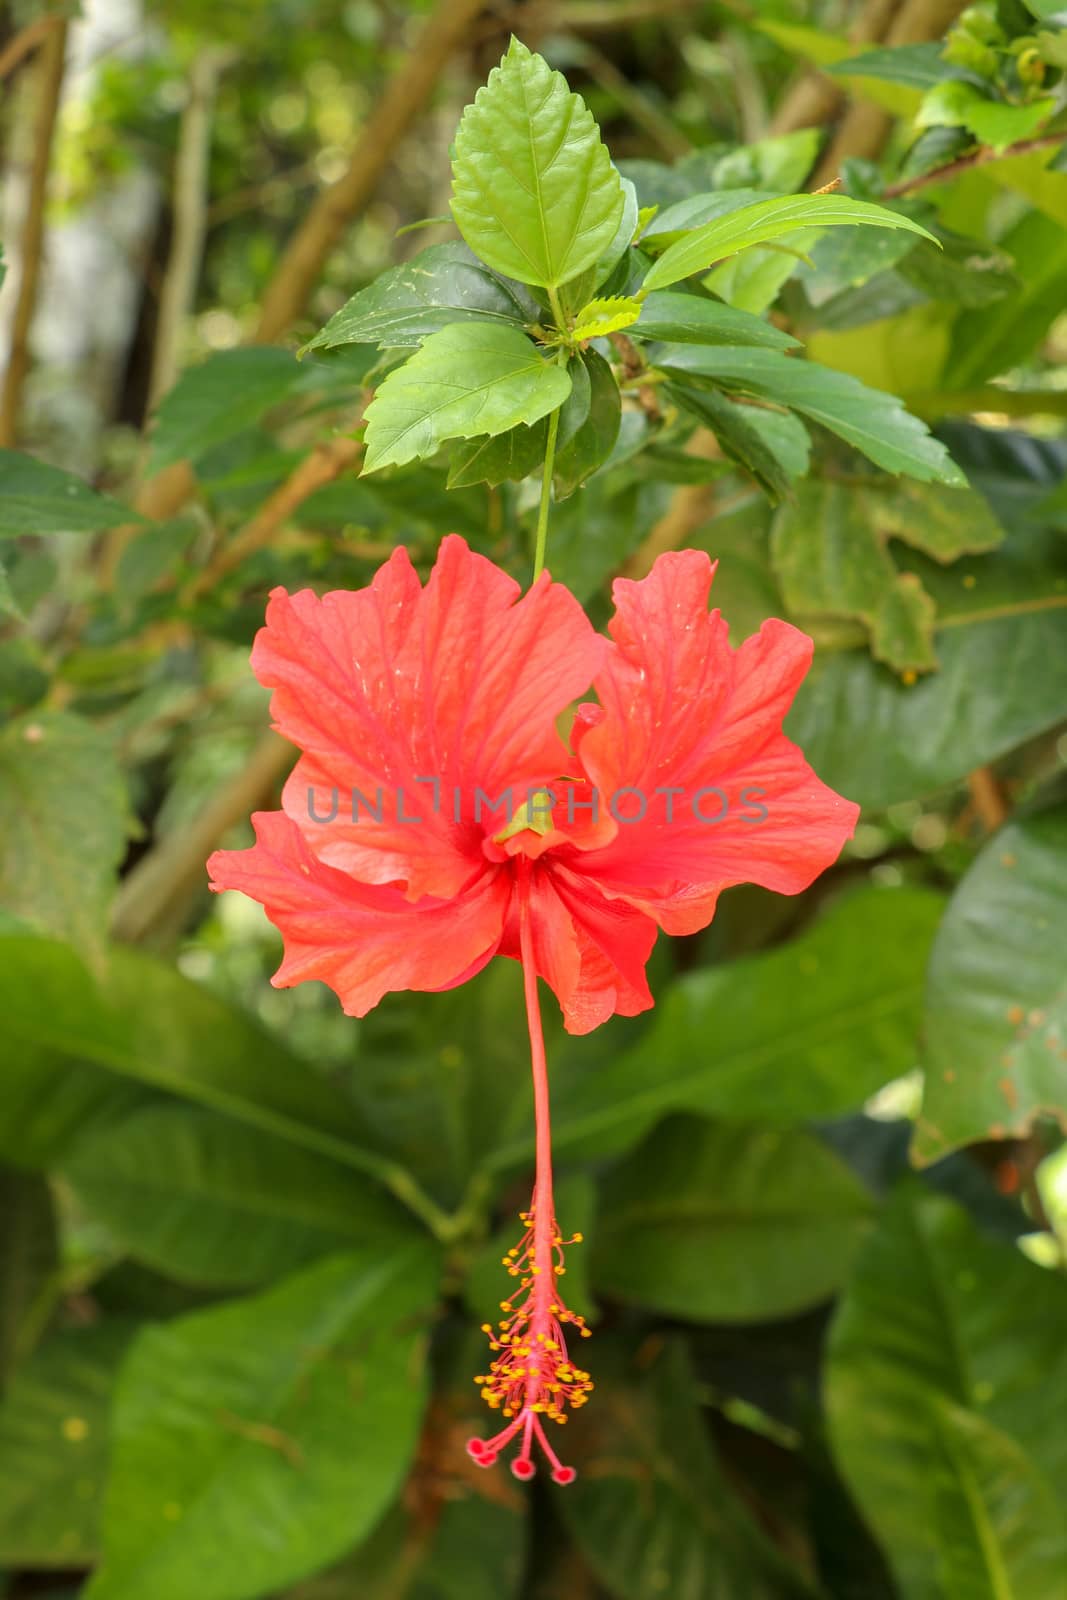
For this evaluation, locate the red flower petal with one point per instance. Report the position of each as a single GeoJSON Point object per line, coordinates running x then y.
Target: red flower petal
{"type": "Point", "coordinates": [682, 710]}
{"type": "Point", "coordinates": [364, 940]}
{"type": "Point", "coordinates": [457, 684]}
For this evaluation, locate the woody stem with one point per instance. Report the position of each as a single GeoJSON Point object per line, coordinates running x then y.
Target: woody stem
{"type": "Point", "coordinates": [544, 1219]}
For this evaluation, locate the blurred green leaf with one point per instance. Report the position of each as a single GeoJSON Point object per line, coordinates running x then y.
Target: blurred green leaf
{"type": "Point", "coordinates": [827, 1019]}
{"type": "Point", "coordinates": [37, 498]}
{"type": "Point", "coordinates": [831, 556]}
{"type": "Point", "coordinates": [54, 1447]}
{"type": "Point", "coordinates": [211, 1201]}
{"type": "Point", "coordinates": [946, 1378]}
{"type": "Point", "coordinates": [985, 345]}
{"type": "Point", "coordinates": [996, 123]}
{"type": "Point", "coordinates": [918, 66]}
{"type": "Point", "coordinates": [255, 1442]}
{"type": "Point", "coordinates": [996, 1010]}
{"type": "Point", "coordinates": [652, 1510]}
{"type": "Point", "coordinates": [534, 192]}
{"type": "Point", "coordinates": [219, 399]}
{"type": "Point", "coordinates": [441, 285]}
{"type": "Point", "coordinates": [29, 1252]}
{"type": "Point", "coordinates": [63, 825]}
{"type": "Point", "coordinates": [461, 383]}
{"type": "Point", "coordinates": [726, 1222]}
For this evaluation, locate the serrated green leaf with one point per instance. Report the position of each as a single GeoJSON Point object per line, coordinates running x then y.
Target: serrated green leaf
{"type": "Point", "coordinates": [996, 1008]}
{"type": "Point", "coordinates": [744, 1222]}
{"type": "Point", "coordinates": [208, 1201]}
{"type": "Point", "coordinates": [461, 383]}
{"type": "Point", "coordinates": [831, 557]}
{"type": "Point", "coordinates": [63, 824]}
{"type": "Point", "coordinates": [37, 498]}
{"type": "Point", "coordinates": [945, 1383]}
{"type": "Point", "coordinates": [873, 422]}
{"type": "Point", "coordinates": [441, 285]}
{"type": "Point", "coordinates": [694, 319]}
{"type": "Point", "coordinates": [512, 456]}
{"type": "Point", "coordinates": [54, 1447]}
{"type": "Point", "coordinates": [743, 438]}
{"type": "Point", "coordinates": [534, 192]}
{"type": "Point", "coordinates": [598, 318]}
{"type": "Point", "coordinates": [291, 1417]}
{"type": "Point", "coordinates": [764, 221]}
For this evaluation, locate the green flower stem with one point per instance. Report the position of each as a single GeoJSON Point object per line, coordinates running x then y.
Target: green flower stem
{"type": "Point", "coordinates": [546, 495]}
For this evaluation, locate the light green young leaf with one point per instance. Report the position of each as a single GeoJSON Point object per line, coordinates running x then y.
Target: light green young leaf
{"type": "Point", "coordinates": [463, 382]}
{"type": "Point", "coordinates": [873, 422]}
{"type": "Point", "coordinates": [534, 192]}
{"type": "Point", "coordinates": [763, 221]}
{"type": "Point", "coordinates": [601, 317]}
{"type": "Point", "coordinates": [993, 122]}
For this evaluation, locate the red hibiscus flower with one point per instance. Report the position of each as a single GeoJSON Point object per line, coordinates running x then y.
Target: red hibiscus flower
{"type": "Point", "coordinates": [436, 819]}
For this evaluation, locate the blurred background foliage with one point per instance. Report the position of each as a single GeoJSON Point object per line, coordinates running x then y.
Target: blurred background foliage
{"type": "Point", "coordinates": [243, 1240]}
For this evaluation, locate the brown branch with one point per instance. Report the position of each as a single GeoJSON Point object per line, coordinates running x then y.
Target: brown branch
{"type": "Point", "coordinates": [25, 41]}
{"type": "Point", "coordinates": [53, 60]}
{"type": "Point", "coordinates": [190, 218]}
{"type": "Point", "coordinates": [388, 122]}
{"type": "Point", "coordinates": [175, 868]}
{"type": "Point", "coordinates": [988, 798]}
{"type": "Point", "coordinates": [976, 158]}
{"type": "Point", "coordinates": [815, 98]}
{"type": "Point", "coordinates": [325, 463]}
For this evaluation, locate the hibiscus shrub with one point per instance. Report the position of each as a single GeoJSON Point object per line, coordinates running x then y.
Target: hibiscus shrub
{"type": "Point", "coordinates": [790, 1268]}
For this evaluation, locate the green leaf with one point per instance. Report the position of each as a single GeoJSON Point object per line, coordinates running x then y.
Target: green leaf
{"type": "Point", "coordinates": [743, 1223]}
{"type": "Point", "coordinates": [520, 451]}
{"type": "Point", "coordinates": [29, 1250]}
{"type": "Point", "coordinates": [598, 318]}
{"type": "Point", "coordinates": [256, 1441]}
{"type": "Point", "coordinates": [534, 192]}
{"type": "Point", "coordinates": [441, 285]}
{"type": "Point", "coordinates": [873, 422]}
{"type": "Point", "coordinates": [652, 1510]}
{"type": "Point", "coordinates": [219, 399]}
{"type": "Point", "coordinates": [692, 319]}
{"type": "Point", "coordinates": [591, 444]}
{"type": "Point", "coordinates": [827, 1019]}
{"type": "Point", "coordinates": [984, 345]}
{"type": "Point", "coordinates": [752, 281]}
{"type": "Point", "coordinates": [461, 383]}
{"type": "Point", "coordinates": [781, 162]}
{"type": "Point", "coordinates": [993, 122]}
{"type": "Point", "coordinates": [831, 557]}
{"type": "Point", "coordinates": [146, 1023]}
{"type": "Point", "coordinates": [919, 66]}
{"type": "Point", "coordinates": [996, 1011]}
{"type": "Point", "coordinates": [63, 816]}
{"type": "Point", "coordinates": [850, 257]}
{"type": "Point", "coordinates": [54, 1447]}
{"type": "Point", "coordinates": [743, 436]}
{"type": "Point", "coordinates": [36, 498]}
{"type": "Point", "coordinates": [763, 221]}
{"type": "Point", "coordinates": [209, 1201]}
{"type": "Point", "coordinates": [945, 1385]}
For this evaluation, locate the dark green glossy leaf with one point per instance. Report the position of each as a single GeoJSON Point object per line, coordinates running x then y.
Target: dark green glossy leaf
{"type": "Point", "coordinates": [996, 1010]}
{"type": "Point", "coordinates": [742, 1222]}
{"type": "Point", "coordinates": [534, 192]}
{"type": "Point", "coordinates": [255, 1442]}
{"type": "Point", "coordinates": [592, 443]}
{"type": "Point", "coordinates": [945, 1383]}
{"type": "Point", "coordinates": [873, 422]}
{"type": "Point", "coordinates": [743, 438]}
{"type": "Point", "coordinates": [693, 319]}
{"type": "Point", "coordinates": [443, 284]}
